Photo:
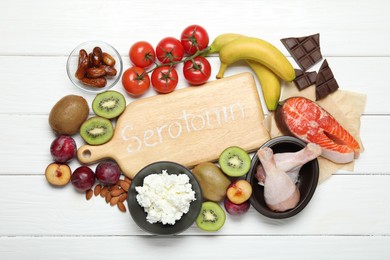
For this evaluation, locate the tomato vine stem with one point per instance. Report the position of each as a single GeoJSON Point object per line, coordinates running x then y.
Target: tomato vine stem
{"type": "Point", "coordinates": [173, 63]}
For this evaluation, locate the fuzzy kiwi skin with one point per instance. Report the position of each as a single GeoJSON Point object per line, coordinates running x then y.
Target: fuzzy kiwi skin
{"type": "Point", "coordinates": [212, 181]}
{"type": "Point", "coordinates": [68, 114]}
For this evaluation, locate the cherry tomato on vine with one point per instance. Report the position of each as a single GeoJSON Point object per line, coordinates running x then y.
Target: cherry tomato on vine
{"type": "Point", "coordinates": [169, 49]}
{"type": "Point", "coordinates": [142, 54]}
{"type": "Point", "coordinates": [135, 81]}
{"type": "Point", "coordinates": [194, 38]}
{"type": "Point", "coordinates": [197, 71]}
{"type": "Point", "coordinates": [164, 79]}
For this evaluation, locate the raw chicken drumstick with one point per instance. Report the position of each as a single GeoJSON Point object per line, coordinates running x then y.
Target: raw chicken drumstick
{"type": "Point", "coordinates": [280, 193]}
{"type": "Point", "coordinates": [291, 163]}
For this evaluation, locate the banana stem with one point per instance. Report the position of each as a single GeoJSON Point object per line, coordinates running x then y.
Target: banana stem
{"type": "Point", "coordinates": [222, 70]}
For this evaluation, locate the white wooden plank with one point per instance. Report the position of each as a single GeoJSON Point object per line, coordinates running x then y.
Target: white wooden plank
{"type": "Point", "coordinates": [341, 206]}
{"type": "Point", "coordinates": [26, 139]}
{"type": "Point", "coordinates": [44, 27]}
{"type": "Point", "coordinates": [34, 84]}
{"type": "Point", "coordinates": [228, 247]}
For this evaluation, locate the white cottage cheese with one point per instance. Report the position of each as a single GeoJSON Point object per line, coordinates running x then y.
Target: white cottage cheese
{"type": "Point", "coordinates": [165, 197]}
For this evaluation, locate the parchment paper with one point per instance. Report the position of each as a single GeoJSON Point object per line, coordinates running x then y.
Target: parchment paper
{"type": "Point", "coordinates": [345, 106]}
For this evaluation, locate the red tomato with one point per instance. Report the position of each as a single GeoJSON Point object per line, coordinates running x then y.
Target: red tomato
{"type": "Point", "coordinates": [164, 79]}
{"type": "Point", "coordinates": [197, 71]}
{"type": "Point", "coordinates": [142, 54]}
{"type": "Point", "coordinates": [169, 49]}
{"type": "Point", "coordinates": [194, 38]}
{"type": "Point", "coordinates": [135, 81]}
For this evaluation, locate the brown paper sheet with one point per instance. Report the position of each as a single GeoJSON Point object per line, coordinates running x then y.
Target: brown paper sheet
{"type": "Point", "coordinates": [345, 106]}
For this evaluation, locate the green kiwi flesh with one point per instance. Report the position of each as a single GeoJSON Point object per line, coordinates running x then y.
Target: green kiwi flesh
{"type": "Point", "coordinates": [211, 217]}
{"type": "Point", "coordinates": [109, 104]}
{"type": "Point", "coordinates": [234, 161]}
{"type": "Point", "coordinates": [96, 130]}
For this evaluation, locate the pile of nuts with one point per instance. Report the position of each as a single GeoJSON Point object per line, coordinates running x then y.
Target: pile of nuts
{"type": "Point", "coordinates": [114, 195]}
{"type": "Point", "coordinates": [93, 68]}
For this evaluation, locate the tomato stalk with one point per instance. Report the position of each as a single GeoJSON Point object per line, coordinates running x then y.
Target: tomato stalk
{"type": "Point", "coordinates": [173, 63]}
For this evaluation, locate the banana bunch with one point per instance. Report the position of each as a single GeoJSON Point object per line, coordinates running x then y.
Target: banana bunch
{"type": "Point", "coordinates": [266, 61]}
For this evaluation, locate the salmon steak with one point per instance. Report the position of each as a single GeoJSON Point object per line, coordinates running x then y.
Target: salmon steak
{"type": "Point", "coordinates": [306, 120]}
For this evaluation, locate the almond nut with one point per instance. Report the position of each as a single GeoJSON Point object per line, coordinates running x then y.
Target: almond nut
{"type": "Point", "coordinates": [104, 192]}
{"type": "Point", "coordinates": [116, 193]}
{"type": "Point", "coordinates": [115, 187]}
{"type": "Point", "coordinates": [123, 197]}
{"type": "Point", "coordinates": [97, 189]}
{"type": "Point", "coordinates": [124, 185]}
{"type": "Point", "coordinates": [114, 200]}
{"type": "Point", "coordinates": [121, 206]}
{"type": "Point", "coordinates": [108, 197]}
{"type": "Point", "coordinates": [88, 194]}
{"type": "Point", "coordinates": [127, 179]}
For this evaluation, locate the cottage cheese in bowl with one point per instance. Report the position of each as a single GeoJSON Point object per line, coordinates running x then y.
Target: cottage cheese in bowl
{"type": "Point", "coordinates": [165, 197]}
{"type": "Point", "coordinates": [166, 203]}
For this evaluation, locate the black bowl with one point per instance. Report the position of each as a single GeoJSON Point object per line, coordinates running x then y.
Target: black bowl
{"type": "Point", "coordinates": [139, 215]}
{"type": "Point", "coordinates": [307, 182]}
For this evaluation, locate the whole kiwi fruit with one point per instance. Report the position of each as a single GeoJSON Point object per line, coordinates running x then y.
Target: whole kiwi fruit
{"type": "Point", "coordinates": [212, 181]}
{"type": "Point", "coordinates": [68, 114]}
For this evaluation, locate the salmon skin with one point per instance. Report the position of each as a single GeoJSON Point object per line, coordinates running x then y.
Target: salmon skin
{"type": "Point", "coordinates": [306, 120]}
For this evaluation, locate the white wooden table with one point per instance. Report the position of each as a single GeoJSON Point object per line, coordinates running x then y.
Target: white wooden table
{"type": "Point", "coordinates": [349, 215]}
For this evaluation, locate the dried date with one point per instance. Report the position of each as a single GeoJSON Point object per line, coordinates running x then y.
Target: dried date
{"type": "Point", "coordinates": [96, 83]}
{"type": "Point", "coordinates": [95, 72]}
{"type": "Point", "coordinates": [83, 64]}
{"type": "Point", "coordinates": [93, 67]}
{"type": "Point", "coordinates": [108, 59]}
{"type": "Point", "coordinates": [97, 56]}
{"type": "Point", "coordinates": [110, 71]}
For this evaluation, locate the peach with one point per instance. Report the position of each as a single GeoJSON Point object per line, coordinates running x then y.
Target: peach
{"type": "Point", "coordinates": [58, 174]}
{"type": "Point", "coordinates": [239, 191]}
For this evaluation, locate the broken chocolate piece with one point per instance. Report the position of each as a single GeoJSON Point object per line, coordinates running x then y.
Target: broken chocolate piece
{"type": "Point", "coordinates": [325, 81]}
{"type": "Point", "coordinates": [304, 79]}
{"type": "Point", "coordinates": [305, 50]}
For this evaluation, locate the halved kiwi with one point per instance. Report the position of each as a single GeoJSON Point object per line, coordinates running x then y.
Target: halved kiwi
{"type": "Point", "coordinates": [211, 217]}
{"type": "Point", "coordinates": [109, 104]}
{"type": "Point", "coordinates": [96, 130]}
{"type": "Point", "coordinates": [234, 161]}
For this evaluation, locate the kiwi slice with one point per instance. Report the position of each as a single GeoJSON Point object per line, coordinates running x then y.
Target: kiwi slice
{"type": "Point", "coordinates": [234, 161]}
{"type": "Point", "coordinates": [109, 104]}
{"type": "Point", "coordinates": [211, 217]}
{"type": "Point", "coordinates": [96, 130]}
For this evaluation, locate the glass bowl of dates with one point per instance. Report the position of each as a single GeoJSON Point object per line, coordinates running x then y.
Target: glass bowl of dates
{"type": "Point", "coordinates": [94, 66]}
{"type": "Point", "coordinates": [303, 175]}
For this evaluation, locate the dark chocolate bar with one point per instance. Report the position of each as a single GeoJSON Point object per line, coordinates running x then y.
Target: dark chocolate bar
{"type": "Point", "coordinates": [304, 79]}
{"type": "Point", "coordinates": [325, 81]}
{"type": "Point", "coordinates": [305, 50]}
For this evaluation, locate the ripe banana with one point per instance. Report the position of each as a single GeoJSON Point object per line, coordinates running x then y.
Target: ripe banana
{"type": "Point", "coordinates": [222, 40]}
{"type": "Point", "coordinates": [269, 82]}
{"type": "Point", "coordinates": [249, 48]}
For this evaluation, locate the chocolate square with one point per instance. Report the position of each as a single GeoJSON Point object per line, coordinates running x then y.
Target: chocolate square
{"type": "Point", "coordinates": [325, 81]}
{"type": "Point", "coordinates": [304, 79]}
{"type": "Point", "coordinates": [305, 50]}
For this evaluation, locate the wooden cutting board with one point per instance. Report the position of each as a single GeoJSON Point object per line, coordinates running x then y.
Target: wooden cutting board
{"type": "Point", "coordinates": [188, 126]}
